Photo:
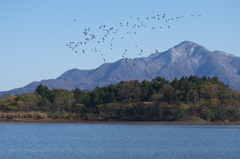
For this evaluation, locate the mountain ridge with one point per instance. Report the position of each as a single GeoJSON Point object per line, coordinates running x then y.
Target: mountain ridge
{"type": "Point", "coordinates": [185, 59]}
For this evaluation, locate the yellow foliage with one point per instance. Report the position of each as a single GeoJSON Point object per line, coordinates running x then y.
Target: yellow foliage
{"type": "Point", "coordinates": [184, 106]}
{"type": "Point", "coordinates": [129, 105]}
{"type": "Point", "coordinates": [147, 103]}
{"type": "Point", "coordinates": [80, 105]}
{"type": "Point", "coordinates": [20, 103]}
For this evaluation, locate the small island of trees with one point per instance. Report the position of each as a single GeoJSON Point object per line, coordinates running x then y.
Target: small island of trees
{"type": "Point", "coordinates": [191, 97]}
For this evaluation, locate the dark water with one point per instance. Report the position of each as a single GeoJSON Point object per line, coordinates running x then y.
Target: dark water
{"type": "Point", "coordinates": [118, 141]}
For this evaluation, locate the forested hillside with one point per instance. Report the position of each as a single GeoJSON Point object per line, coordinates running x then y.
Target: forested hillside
{"type": "Point", "coordinates": [157, 100]}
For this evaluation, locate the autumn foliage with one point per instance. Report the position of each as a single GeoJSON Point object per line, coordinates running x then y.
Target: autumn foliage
{"type": "Point", "coordinates": [157, 100]}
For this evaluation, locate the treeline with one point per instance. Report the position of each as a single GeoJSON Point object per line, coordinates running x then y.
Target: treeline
{"type": "Point", "coordinates": [157, 100]}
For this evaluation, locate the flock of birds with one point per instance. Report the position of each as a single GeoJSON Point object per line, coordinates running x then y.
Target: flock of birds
{"type": "Point", "coordinates": [109, 35]}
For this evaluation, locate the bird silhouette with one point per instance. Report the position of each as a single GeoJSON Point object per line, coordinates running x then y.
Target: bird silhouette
{"type": "Point", "coordinates": [109, 36]}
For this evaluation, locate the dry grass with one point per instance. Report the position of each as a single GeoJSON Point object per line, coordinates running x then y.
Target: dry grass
{"type": "Point", "coordinates": [12, 115]}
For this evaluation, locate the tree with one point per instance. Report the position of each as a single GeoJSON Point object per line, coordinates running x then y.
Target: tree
{"type": "Point", "coordinates": [43, 91]}
{"type": "Point", "coordinates": [158, 82]}
{"type": "Point", "coordinates": [129, 91]}
{"type": "Point", "coordinates": [185, 87]}
{"type": "Point", "coordinates": [146, 92]}
{"type": "Point", "coordinates": [82, 97]}
{"type": "Point", "coordinates": [174, 83]}
{"type": "Point", "coordinates": [28, 101]}
{"type": "Point", "coordinates": [62, 100]}
{"type": "Point", "coordinates": [95, 100]}
{"type": "Point", "coordinates": [167, 91]}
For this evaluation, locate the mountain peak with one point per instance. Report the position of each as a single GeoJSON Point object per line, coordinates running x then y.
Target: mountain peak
{"type": "Point", "coordinates": [185, 59]}
{"type": "Point", "coordinates": [186, 43]}
{"type": "Point", "coordinates": [187, 49]}
{"type": "Point", "coordinates": [187, 46]}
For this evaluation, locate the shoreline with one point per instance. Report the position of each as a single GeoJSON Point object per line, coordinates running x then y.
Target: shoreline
{"type": "Point", "coordinates": [187, 122]}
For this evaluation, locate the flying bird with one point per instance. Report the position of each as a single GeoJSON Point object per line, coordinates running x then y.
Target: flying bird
{"type": "Point", "coordinates": [107, 34]}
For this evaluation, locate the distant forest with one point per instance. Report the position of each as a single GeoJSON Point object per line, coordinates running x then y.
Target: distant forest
{"type": "Point", "coordinates": [158, 100]}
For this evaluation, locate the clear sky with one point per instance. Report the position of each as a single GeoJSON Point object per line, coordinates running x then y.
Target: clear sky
{"type": "Point", "coordinates": [34, 33]}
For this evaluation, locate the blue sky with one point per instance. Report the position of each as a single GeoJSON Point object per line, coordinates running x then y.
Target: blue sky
{"type": "Point", "coordinates": [33, 34]}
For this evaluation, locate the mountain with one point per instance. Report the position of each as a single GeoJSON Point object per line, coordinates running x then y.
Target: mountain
{"type": "Point", "coordinates": [185, 59]}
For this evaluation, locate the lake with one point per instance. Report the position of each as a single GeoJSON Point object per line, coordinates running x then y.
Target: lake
{"type": "Point", "coordinates": [118, 141]}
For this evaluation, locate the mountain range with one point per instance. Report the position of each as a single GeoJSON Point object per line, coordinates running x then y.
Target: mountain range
{"type": "Point", "coordinates": [184, 59]}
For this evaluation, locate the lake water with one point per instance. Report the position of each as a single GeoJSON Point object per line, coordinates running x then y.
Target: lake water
{"type": "Point", "coordinates": [118, 141]}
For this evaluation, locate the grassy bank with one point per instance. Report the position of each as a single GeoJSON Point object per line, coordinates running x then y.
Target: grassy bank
{"type": "Point", "coordinates": [39, 117]}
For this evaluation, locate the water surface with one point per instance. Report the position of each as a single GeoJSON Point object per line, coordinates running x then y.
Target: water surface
{"type": "Point", "coordinates": [118, 141]}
